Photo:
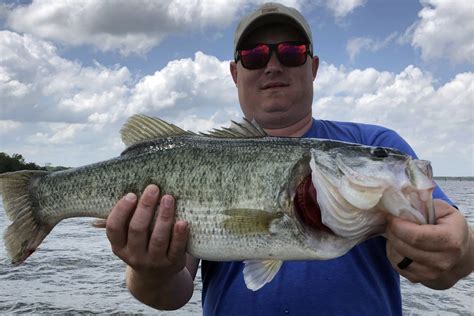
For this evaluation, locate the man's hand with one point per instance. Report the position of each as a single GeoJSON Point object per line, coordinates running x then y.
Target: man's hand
{"type": "Point", "coordinates": [157, 250]}
{"type": "Point", "coordinates": [159, 273]}
{"type": "Point", "coordinates": [442, 253]}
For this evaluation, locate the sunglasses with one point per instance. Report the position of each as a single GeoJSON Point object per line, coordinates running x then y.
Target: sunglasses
{"type": "Point", "coordinates": [290, 54]}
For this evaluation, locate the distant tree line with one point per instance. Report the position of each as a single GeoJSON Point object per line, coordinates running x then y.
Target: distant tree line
{"type": "Point", "coordinates": [446, 178]}
{"type": "Point", "coordinates": [17, 162]}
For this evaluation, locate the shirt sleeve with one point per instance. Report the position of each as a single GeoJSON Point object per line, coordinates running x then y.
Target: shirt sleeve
{"type": "Point", "coordinates": [391, 139]}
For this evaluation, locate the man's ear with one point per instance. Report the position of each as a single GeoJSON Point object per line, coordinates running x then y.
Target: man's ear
{"type": "Point", "coordinates": [315, 66]}
{"type": "Point", "coordinates": [233, 71]}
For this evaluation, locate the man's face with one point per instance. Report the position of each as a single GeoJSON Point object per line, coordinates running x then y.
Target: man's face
{"type": "Point", "coordinates": [275, 96]}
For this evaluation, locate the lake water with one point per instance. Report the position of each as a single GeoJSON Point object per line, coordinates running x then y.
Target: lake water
{"type": "Point", "coordinates": [74, 271]}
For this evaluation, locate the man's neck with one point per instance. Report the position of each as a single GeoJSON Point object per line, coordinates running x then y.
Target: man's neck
{"type": "Point", "coordinates": [295, 130]}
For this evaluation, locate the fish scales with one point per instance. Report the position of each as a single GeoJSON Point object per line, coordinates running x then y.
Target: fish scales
{"type": "Point", "coordinates": [247, 175]}
{"type": "Point", "coordinates": [236, 188]}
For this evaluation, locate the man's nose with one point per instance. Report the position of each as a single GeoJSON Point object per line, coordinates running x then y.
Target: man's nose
{"type": "Point", "coordinates": [274, 64]}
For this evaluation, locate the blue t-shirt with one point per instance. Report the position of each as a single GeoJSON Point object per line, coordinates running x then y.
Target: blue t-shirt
{"type": "Point", "coordinates": [362, 282]}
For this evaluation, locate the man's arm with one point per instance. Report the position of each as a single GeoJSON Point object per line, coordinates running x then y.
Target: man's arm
{"type": "Point", "coordinates": [159, 272]}
{"type": "Point", "coordinates": [161, 292]}
{"type": "Point", "coordinates": [442, 254]}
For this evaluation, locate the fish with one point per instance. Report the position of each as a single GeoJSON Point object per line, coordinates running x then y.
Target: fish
{"type": "Point", "coordinates": [236, 187]}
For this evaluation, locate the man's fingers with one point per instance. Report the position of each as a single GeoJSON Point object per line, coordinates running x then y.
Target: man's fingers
{"type": "Point", "coordinates": [139, 228]}
{"type": "Point", "coordinates": [177, 248]}
{"type": "Point", "coordinates": [160, 237]}
{"type": "Point", "coordinates": [430, 237]}
{"type": "Point", "coordinates": [408, 250]}
{"type": "Point", "coordinates": [426, 237]}
{"type": "Point", "coordinates": [399, 250]}
{"type": "Point", "coordinates": [416, 271]}
{"type": "Point", "coordinates": [434, 260]}
{"type": "Point", "coordinates": [117, 221]}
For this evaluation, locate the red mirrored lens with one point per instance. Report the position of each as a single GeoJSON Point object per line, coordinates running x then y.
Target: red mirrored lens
{"type": "Point", "coordinates": [256, 57]}
{"type": "Point", "coordinates": [291, 55]}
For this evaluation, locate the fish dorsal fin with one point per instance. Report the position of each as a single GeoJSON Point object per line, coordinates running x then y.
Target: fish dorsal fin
{"type": "Point", "coordinates": [140, 128]}
{"type": "Point", "coordinates": [244, 129]}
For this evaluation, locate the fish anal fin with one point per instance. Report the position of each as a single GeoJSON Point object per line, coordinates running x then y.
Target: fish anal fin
{"type": "Point", "coordinates": [258, 273]}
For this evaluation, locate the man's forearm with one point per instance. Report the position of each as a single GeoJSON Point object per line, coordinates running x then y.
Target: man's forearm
{"type": "Point", "coordinates": [161, 293]}
{"type": "Point", "coordinates": [461, 270]}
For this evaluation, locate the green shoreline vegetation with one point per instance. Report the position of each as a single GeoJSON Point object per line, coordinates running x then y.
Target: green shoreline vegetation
{"type": "Point", "coordinates": [445, 178]}
{"type": "Point", "coordinates": [16, 162]}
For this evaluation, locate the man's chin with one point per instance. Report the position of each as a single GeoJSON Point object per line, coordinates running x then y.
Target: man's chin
{"type": "Point", "coordinates": [276, 118]}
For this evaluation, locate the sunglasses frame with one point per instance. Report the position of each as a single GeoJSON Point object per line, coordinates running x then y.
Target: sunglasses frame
{"type": "Point", "coordinates": [273, 48]}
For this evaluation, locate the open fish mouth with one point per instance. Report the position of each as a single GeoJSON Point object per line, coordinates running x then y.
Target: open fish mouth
{"type": "Point", "coordinates": [356, 193]}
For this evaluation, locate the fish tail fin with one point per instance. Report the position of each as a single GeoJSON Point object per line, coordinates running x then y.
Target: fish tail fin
{"type": "Point", "coordinates": [26, 231]}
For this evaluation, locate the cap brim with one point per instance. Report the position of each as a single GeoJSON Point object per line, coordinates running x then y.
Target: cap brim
{"type": "Point", "coordinates": [277, 18]}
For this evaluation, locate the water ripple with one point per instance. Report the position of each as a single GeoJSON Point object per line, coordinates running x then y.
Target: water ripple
{"type": "Point", "coordinates": [74, 272]}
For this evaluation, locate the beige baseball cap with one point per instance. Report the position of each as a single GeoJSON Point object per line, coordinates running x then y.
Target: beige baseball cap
{"type": "Point", "coordinates": [271, 13]}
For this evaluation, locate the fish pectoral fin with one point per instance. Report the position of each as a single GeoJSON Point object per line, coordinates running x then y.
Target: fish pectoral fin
{"type": "Point", "coordinates": [257, 273]}
{"type": "Point", "coordinates": [99, 223]}
{"type": "Point", "coordinates": [249, 221]}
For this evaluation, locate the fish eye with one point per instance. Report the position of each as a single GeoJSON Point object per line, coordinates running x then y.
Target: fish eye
{"type": "Point", "coordinates": [379, 152]}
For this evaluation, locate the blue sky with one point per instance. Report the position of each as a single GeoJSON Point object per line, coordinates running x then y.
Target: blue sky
{"type": "Point", "coordinates": [71, 72]}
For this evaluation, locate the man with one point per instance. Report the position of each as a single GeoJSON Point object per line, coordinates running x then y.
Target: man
{"type": "Point", "coordinates": [276, 90]}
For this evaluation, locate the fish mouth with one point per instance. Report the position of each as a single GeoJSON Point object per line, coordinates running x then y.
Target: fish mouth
{"type": "Point", "coordinates": [356, 206]}
{"type": "Point", "coordinates": [420, 174]}
{"type": "Point", "coordinates": [306, 207]}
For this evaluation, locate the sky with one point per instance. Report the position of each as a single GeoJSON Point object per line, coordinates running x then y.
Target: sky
{"type": "Point", "coordinates": [71, 72]}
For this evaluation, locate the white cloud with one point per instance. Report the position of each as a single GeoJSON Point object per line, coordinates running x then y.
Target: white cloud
{"type": "Point", "coordinates": [59, 111]}
{"type": "Point", "coordinates": [445, 30]}
{"type": "Point", "coordinates": [11, 88]}
{"type": "Point", "coordinates": [135, 27]}
{"type": "Point", "coordinates": [357, 44]}
{"type": "Point", "coordinates": [37, 84]}
{"type": "Point", "coordinates": [437, 122]}
{"type": "Point", "coordinates": [59, 134]}
{"type": "Point", "coordinates": [8, 126]}
{"type": "Point", "coordinates": [186, 85]}
{"type": "Point", "coordinates": [127, 26]}
{"type": "Point", "coordinates": [53, 107]}
{"type": "Point", "coordinates": [341, 8]}
{"type": "Point", "coordinates": [338, 81]}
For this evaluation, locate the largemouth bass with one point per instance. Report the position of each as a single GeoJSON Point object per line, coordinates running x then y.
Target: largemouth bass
{"type": "Point", "coordinates": [236, 188]}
